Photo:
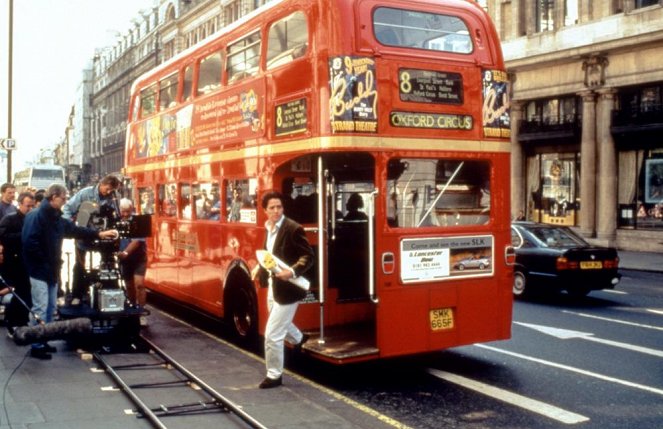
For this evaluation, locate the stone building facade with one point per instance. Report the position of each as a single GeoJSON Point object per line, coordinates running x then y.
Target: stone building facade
{"type": "Point", "coordinates": [587, 115]}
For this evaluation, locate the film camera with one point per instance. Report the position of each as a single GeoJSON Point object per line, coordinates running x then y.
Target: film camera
{"type": "Point", "coordinates": [107, 293]}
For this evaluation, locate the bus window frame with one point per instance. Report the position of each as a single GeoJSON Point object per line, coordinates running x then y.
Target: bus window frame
{"type": "Point", "coordinates": [154, 87]}
{"type": "Point", "coordinates": [174, 99]}
{"type": "Point", "coordinates": [472, 43]}
{"type": "Point", "coordinates": [184, 97]}
{"type": "Point", "coordinates": [218, 84]}
{"type": "Point", "coordinates": [236, 76]}
{"type": "Point", "coordinates": [296, 51]}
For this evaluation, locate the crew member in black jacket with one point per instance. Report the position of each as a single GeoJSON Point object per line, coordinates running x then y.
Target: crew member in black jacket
{"type": "Point", "coordinates": [13, 269]}
{"type": "Point", "coordinates": [286, 240]}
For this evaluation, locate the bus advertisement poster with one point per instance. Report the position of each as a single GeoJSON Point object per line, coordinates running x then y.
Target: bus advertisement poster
{"type": "Point", "coordinates": [430, 259]}
{"type": "Point", "coordinates": [353, 97]}
{"type": "Point", "coordinates": [496, 104]}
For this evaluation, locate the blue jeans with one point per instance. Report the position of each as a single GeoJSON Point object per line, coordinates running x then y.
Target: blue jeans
{"type": "Point", "coordinates": [44, 298]}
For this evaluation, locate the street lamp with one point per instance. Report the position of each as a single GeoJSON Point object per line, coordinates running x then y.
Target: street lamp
{"type": "Point", "coordinates": [9, 87]}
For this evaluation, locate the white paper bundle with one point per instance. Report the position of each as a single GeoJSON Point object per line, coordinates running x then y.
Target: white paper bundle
{"type": "Point", "coordinates": [275, 265]}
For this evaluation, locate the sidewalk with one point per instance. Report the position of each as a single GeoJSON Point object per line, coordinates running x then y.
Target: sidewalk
{"type": "Point", "coordinates": [642, 261]}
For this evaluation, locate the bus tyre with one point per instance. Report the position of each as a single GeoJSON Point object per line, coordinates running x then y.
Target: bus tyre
{"type": "Point", "coordinates": [519, 284]}
{"type": "Point", "coordinates": [242, 315]}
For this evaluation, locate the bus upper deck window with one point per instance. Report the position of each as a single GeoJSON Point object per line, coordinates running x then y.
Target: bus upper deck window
{"type": "Point", "coordinates": [168, 92]}
{"type": "Point", "coordinates": [209, 73]}
{"type": "Point", "coordinates": [421, 30]}
{"type": "Point", "coordinates": [147, 100]}
{"type": "Point", "coordinates": [243, 57]}
{"type": "Point", "coordinates": [288, 40]}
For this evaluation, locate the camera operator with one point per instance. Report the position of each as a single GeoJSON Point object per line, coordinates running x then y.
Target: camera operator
{"type": "Point", "coordinates": [42, 235]}
{"type": "Point", "coordinates": [133, 260]}
{"type": "Point", "coordinates": [103, 194]}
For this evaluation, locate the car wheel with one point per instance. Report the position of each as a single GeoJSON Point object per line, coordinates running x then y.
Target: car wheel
{"type": "Point", "coordinates": [519, 284]}
{"type": "Point", "coordinates": [461, 267]}
{"type": "Point", "coordinates": [482, 266]}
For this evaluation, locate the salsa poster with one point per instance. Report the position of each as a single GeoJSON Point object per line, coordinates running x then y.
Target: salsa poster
{"type": "Point", "coordinates": [353, 97]}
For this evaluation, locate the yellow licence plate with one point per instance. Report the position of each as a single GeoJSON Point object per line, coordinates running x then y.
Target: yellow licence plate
{"type": "Point", "coordinates": [591, 265]}
{"type": "Point", "coordinates": [441, 319]}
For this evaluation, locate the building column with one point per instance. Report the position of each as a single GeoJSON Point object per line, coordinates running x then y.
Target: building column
{"type": "Point", "coordinates": [607, 168]}
{"type": "Point", "coordinates": [530, 16]}
{"type": "Point", "coordinates": [587, 222]}
{"type": "Point", "coordinates": [518, 203]}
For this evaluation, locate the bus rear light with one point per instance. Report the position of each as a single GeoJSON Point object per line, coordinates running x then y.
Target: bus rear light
{"type": "Point", "coordinates": [510, 255]}
{"type": "Point", "coordinates": [388, 263]}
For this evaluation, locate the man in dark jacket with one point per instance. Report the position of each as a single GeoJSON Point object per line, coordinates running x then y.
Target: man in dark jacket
{"type": "Point", "coordinates": [287, 241]}
{"type": "Point", "coordinates": [13, 270]}
{"type": "Point", "coordinates": [43, 232]}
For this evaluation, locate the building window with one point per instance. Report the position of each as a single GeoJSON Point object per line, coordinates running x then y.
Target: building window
{"type": "Point", "coordinates": [553, 111]}
{"type": "Point", "coordinates": [570, 12]}
{"type": "Point", "coordinates": [553, 181]}
{"type": "Point", "coordinates": [645, 3]}
{"type": "Point", "coordinates": [640, 193]}
{"type": "Point", "coordinates": [545, 13]}
{"type": "Point", "coordinates": [231, 12]}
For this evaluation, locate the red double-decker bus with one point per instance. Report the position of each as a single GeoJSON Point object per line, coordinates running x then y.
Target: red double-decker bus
{"type": "Point", "coordinates": [386, 125]}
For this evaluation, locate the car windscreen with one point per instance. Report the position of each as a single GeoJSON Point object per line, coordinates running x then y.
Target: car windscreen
{"type": "Point", "coordinates": [557, 237]}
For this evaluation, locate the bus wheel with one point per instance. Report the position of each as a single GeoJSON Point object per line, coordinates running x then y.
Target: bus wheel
{"type": "Point", "coordinates": [242, 314]}
{"type": "Point", "coordinates": [519, 284]}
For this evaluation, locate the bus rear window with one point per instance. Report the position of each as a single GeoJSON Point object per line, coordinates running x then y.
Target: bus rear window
{"type": "Point", "coordinates": [422, 30]}
{"type": "Point", "coordinates": [430, 192]}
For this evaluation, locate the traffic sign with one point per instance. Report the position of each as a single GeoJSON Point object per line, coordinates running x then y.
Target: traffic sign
{"type": "Point", "coordinates": [8, 144]}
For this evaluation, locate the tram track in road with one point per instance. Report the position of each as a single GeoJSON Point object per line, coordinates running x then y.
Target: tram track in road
{"type": "Point", "coordinates": [172, 390]}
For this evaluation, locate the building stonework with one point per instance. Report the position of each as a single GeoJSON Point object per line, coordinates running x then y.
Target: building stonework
{"type": "Point", "coordinates": [587, 115]}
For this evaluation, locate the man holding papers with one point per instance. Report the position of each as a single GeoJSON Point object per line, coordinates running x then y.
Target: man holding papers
{"type": "Point", "coordinates": [287, 242]}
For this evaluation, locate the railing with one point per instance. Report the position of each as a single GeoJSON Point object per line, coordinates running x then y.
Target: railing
{"type": "Point", "coordinates": [638, 116]}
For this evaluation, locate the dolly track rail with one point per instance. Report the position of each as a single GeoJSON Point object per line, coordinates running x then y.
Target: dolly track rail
{"type": "Point", "coordinates": [218, 402]}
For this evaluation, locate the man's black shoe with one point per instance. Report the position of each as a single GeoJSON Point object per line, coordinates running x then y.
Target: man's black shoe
{"type": "Point", "coordinates": [40, 354]}
{"type": "Point", "coordinates": [268, 383]}
{"type": "Point", "coordinates": [300, 344]}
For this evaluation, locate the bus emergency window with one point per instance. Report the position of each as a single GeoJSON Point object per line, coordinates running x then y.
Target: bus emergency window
{"type": "Point", "coordinates": [241, 200]}
{"type": "Point", "coordinates": [437, 192]}
{"type": "Point", "coordinates": [209, 73]}
{"type": "Point", "coordinates": [243, 57]}
{"type": "Point", "coordinates": [147, 100]}
{"type": "Point", "coordinates": [288, 40]}
{"type": "Point", "coordinates": [168, 92]}
{"type": "Point", "coordinates": [167, 200]}
{"type": "Point", "coordinates": [423, 30]}
{"type": "Point", "coordinates": [206, 201]}
{"type": "Point", "coordinates": [188, 83]}
{"type": "Point", "coordinates": [146, 196]}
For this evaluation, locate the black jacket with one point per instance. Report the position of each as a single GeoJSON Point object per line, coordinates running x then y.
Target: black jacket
{"type": "Point", "coordinates": [12, 269]}
{"type": "Point", "coordinates": [43, 231]}
{"type": "Point", "coordinates": [292, 247]}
